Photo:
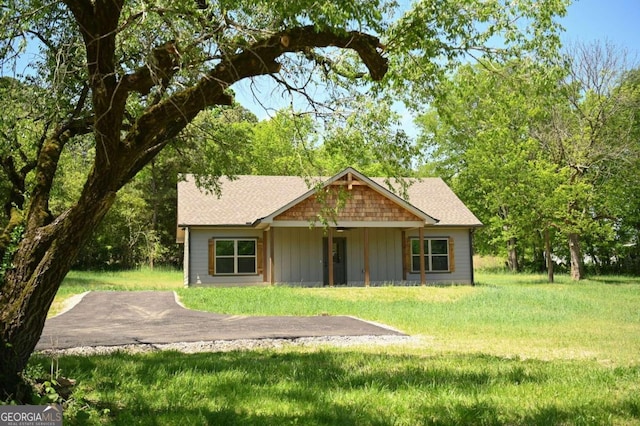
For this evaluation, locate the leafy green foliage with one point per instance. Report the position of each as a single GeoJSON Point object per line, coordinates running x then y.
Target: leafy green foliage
{"type": "Point", "coordinates": [531, 149]}
{"type": "Point", "coordinates": [229, 140]}
{"type": "Point", "coordinates": [54, 92]}
{"type": "Point", "coordinates": [482, 140]}
{"type": "Point", "coordinates": [370, 138]}
{"type": "Point", "coordinates": [283, 145]}
{"type": "Point", "coordinates": [6, 261]}
{"type": "Point", "coordinates": [134, 74]}
{"type": "Point", "coordinates": [20, 126]}
{"type": "Point", "coordinates": [433, 39]}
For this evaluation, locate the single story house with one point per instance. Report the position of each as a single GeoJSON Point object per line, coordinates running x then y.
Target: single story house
{"type": "Point", "coordinates": [348, 229]}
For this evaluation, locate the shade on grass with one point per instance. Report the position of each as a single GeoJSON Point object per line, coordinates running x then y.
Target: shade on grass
{"type": "Point", "coordinates": [513, 350]}
{"type": "Point", "coordinates": [328, 387]}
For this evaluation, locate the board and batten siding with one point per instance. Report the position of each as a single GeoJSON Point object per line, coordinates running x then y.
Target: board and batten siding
{"type": "Point", "coordinates": [298, 256]}
{"type": "Point", "coordinates": [385, 255]}
{"type": "Point", "coordinates": [462, 256]}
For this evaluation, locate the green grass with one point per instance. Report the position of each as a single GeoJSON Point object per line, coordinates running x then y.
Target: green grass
{"type": "Point", "coordinates": [512, 350]}
{"type": "Point", "coordinates": [329, 387]}
{"type": "Point", "coordinates": [138, 279]}
{"type": "Point", "coordinates": [566, 320]}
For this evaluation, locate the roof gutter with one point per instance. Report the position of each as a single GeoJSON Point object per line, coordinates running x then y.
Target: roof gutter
{"type": "Point", "coordinates": [225, 225]}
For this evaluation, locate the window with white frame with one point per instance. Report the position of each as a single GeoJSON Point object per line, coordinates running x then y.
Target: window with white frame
{"type": "Point", "coordinates": [235, 256]}
{"type": "Point", "coordinates": [436, 255]}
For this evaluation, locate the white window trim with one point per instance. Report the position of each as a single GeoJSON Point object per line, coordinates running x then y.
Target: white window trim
{"type": "Point", "coordinates": [236, 256]}
{"type": "Point", "coordinates": [428, 256]}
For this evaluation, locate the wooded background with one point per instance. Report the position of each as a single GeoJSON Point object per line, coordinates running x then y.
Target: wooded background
{"type": "Point", "coordinates": [542, 153]}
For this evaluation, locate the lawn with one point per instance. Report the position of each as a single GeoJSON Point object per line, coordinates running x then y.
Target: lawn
{"type": "Point", "coordinates": [512, 350]}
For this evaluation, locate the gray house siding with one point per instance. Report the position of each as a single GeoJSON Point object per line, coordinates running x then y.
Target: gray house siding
{"type": "Point", "coordinates": [298, 256]}
{"type": "Point", "coordinates": [385, 255]}
{"type": "Point", "coordinates": [198, 266]}
{"type": "Point", "coordinates": [263, 207]}
{"type": "Point", "coordinates": [463, 273]}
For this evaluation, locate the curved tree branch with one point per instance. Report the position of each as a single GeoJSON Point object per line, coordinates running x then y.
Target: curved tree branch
{"type": "Point", "coordinates": [165, 120]}
{"type": "Point", "coordinates": [164, 64]}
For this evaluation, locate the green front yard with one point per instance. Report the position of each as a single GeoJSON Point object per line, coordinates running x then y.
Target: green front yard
{"type": "Point", "coordinates": [511, 350]}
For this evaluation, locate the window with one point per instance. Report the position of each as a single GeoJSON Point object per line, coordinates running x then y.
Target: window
{"type": "Point", "coordinates": [436, 255]}
{"type": "Point", "coordinates": [233, 256]}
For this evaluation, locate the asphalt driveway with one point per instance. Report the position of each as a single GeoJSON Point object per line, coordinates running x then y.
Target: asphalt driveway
{"type": "Point", "coordinates": [114, 318]}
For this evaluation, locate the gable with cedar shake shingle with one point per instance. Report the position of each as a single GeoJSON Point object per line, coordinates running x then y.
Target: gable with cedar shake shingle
{"type": "Point", "coordinates": [361, 204]}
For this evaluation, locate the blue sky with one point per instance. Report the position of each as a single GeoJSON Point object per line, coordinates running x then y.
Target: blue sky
{"type": "Point", "coordinates": [615, 20]}
{"type": "Point", "coordinates": [586, 21]}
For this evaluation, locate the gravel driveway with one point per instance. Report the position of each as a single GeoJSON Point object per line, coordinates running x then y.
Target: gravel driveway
{"type": "Point", "coordinates": [117, 318]}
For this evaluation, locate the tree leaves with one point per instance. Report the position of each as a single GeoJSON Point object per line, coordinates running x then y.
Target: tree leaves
{"type": "Point", "coordinates": [434, 38]}
{"type": "Point", "coordinates": [534, 148]}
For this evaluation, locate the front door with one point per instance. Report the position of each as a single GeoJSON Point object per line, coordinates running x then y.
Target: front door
{"type": "Point", "coordinates": [339, 251]}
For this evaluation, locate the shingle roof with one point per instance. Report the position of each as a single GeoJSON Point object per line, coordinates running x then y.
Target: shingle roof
{"type": "Point", "coordinates": [243, 200]}
{"type": "Point", "coordinates": [434, 197]}
{"type": "Point", "coordinates": [246, 199]}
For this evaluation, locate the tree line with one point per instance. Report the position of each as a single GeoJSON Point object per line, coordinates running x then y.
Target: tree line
{"type": "Point", "coordinates": [546, 155]}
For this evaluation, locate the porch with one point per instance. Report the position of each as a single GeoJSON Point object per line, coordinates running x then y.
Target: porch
{"type": "Point", "coordinates": [354, 256]}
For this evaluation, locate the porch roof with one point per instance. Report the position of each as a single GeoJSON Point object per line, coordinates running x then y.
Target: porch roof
{"type": "Point", "coordinates": [247, 199]}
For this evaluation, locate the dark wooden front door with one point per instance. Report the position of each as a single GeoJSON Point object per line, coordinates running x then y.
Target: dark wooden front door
{"type": "Point", "coordinates": [339, 251]}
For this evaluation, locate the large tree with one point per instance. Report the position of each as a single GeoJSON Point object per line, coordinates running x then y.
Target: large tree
{"type": "Point", "coordinates": [591, 133]}
{"type": "Point", "coordinates": [479, 137]}
{"type": "Point", "coordinates": [132, 74]}
{"type": "Point", "coordinates": [539, 150]}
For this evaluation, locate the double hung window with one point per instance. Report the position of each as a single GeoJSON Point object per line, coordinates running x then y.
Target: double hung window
{"type": "Point", "coordinates": [235, 256]}
{"type": "Point", "coordinates": [436, 255]}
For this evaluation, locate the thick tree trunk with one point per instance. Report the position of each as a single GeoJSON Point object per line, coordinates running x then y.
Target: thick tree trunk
{"type": "Point", "coordinates": [577, 262]}
{"type": "Point", "coordinates": [42, 260]}
{"type": "Point", "coordinates": [50, 245]}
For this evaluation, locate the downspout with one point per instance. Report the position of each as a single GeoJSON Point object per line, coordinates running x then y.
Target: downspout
{"type": "Point", "coordinates": [187, 256]}
{"type": "Point", "coordinates": [471, 231]}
